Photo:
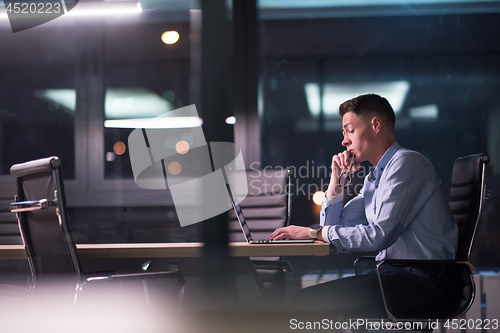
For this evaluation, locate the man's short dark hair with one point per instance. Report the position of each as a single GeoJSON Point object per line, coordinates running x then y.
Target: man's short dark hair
{"type": "Point", "coordinates": [370, 105]}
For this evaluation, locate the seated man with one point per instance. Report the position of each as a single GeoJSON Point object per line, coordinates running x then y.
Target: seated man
{"type": "Point", "coordinates": [401, 211]}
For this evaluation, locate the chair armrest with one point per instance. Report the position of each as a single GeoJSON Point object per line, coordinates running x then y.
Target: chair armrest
{"type": "Point", "coordinates": [112, 284]}
{"type": "Point", "coordinates": [28, 206]}
{"type": "Point", "coordinates": [90, 275]}
{"type": "Point", "coordinates": [140, 276]}
{"type": "Point", "coordinates": [425, 263]}
{"type": "Point", "coordinates": [417, 261]}
{"type": "Point", "coordinates": [361, 259]}
{"type": "Point", "coordinates": [281, 265]}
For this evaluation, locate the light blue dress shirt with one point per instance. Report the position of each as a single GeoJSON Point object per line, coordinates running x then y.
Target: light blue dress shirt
{"type": "Point", "coordinates": [401, 211]}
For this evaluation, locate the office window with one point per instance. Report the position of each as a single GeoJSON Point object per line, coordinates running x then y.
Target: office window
{"type": "Point", "coordinates": [139, 77]}
{"type": "Point", "coordinates": [144, 78]}
{"type": "Point", "coordinates": [37, 97]}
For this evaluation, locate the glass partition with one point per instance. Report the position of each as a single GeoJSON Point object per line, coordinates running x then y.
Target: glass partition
{"type": "Point", "coordinates": [136, 93]}
{"type": "Point", "coordinates": [37, 97]}
{"type": "Point", "coordinates": [437, 62]}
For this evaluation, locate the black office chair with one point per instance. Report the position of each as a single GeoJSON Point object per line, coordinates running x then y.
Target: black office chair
{"type": "Point", "coordinates": [468, 191]}
{"type": "Point", "coordinates": [266, 208]}
{"type": "Point", "coordinates": [52, 255]}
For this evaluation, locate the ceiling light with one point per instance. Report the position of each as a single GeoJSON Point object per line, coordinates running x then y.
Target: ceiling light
{"type": "Point", "coordinates": [157, 122]}
{"type": "Point", "coordinates": [97, 9]}
{"type": "Point", "coordinates": [134, 102]}
{"type": "Point", "coordinates": [335, 94]}
{"type": "Point", "coordinates": [430, 111]}
{"type": "Point", "coordinates": [120, 103]}
{"type": "Point", "coordinates": [64, 97]}
{"type": "Point", "coordinates": [105, 8]}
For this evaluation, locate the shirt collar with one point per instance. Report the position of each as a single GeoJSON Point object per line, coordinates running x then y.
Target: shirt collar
{"type": "Point", "coordinates": [376, 173]}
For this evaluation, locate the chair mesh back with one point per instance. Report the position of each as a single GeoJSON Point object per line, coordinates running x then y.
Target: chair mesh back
{"type": "Point", "coordinates": [466, 198]}
{"type": "Point", "coordinates": [266, 206]}
{"type": "Point", "coordinates": [47, 246]}
{"type": "Point", "coordinates": [9, 229]}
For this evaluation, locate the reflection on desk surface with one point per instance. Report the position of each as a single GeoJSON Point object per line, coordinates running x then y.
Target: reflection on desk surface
{"type": "Point", "coordinates": [179, 250]}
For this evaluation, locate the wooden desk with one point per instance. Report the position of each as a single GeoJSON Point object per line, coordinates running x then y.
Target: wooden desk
{"type": "Point", "coordinates": [250, 287]}
{"type": "Point", "coordinates": [179, 250]}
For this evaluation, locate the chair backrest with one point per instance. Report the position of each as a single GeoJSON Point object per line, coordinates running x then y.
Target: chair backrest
{"type": "Point", "coordinates": [267, 205]}
{"type": "Point", "coordinates": [9, 229]}
{"type": "Point", "coordinates": [466, 198]}
{"type": "Point", "coordinates": [41, 209]}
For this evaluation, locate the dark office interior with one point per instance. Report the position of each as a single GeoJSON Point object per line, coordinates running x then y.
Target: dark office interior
{"type": "Point", "coordinates": [278, 67]}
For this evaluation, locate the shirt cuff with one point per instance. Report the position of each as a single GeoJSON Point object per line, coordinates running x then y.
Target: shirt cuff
{"type": "Point", "coordinates": [324, 233]}
{"type": "Point", "coordinates": [333, 200]}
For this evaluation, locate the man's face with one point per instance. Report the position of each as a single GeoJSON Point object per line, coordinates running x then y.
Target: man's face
{"type": "Point", "coordinates": [359, 135]}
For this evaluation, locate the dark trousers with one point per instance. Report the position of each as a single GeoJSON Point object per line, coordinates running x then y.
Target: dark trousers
{"type": "Point", "coordinates": [406, 290]}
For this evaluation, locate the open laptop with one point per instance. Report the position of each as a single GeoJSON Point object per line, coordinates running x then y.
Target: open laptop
{"type": "Point", "coordinates": [246, 230]}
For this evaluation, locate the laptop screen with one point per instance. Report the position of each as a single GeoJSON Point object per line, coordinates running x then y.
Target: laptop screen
{"type": "Point", "coordinates": [239, 213]}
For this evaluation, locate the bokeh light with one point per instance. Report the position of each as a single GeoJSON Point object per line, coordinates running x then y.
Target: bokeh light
{"type": "Point", "coordinates": [170, 141]}
{"type": "Point", "coordinates": [318, 197]}
{"type": "Point", "coordinates": [174, 168]}
{"type": "Point", "coordinates": [119, 148]}
{"type": "Point", "coordinates": [195, 37]}
{"type": "Point", "coordinates": [170, 37]}
{"type": "Point", "coordinates": [188, 137]}
{"type": "Point", "coordinates": [169, 95]}
{"type": "Point", "coordinates": [182, 147]}
{"type": "Point", "coordinates": [110, 156]}
{"type": "Point", "coordinates": [231, 120]}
